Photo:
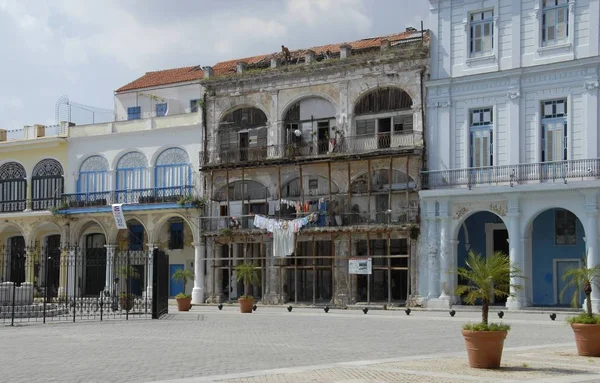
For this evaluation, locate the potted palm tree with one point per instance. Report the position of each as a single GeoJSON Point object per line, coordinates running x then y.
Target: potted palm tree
{"type": "Point", "coordinates": [487, 278]}
{"type": "Point", "coordinates": [586, 325]}
{"type": "Point", "coordinates": [184, 301]}
{"type": "Point", "coordinates": [248, 274]}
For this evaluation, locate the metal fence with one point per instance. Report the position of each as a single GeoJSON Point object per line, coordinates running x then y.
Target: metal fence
{"type": "Point", "coordinates": [39, 284]}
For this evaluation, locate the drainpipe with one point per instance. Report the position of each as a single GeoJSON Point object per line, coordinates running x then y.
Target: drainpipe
{"type": "Point", "coordinates": [204, 147]}
{"type": "Point", "coordinates": [424, 151]}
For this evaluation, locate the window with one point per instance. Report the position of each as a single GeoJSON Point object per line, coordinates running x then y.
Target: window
{"type": "Point", "coordinates": [313, 183]}
{"type": "Point", "coordinates": [161, 109]}
{"type": "Point", "coordinates": [565, 227]}
{"type": "Point", "coordinates": [176, 236]}
{"type": "Point", "coordinates": [554, 130]}
{"type": "Point", "coordinates": [93, 175]}
{"type": "Point", "coordinates": [194, 105]}
{"type": "Point", "coordinates": [481, 137]}
{"type": "Point", "coordinates": [136, 237]}
{"type": "Point", "coordinates": [481, 35]}
{"type": "Point", "coordinates": [134, 113]}
{"type": "Point", "coordinates": [555, 22]}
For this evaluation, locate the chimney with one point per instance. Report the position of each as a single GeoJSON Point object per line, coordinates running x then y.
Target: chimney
{"type": "Point", "coordinates": [274, 62]}
{"type": "Point", "coordinates": [39, 130]}
{"type": "Point", "coordinates": [309, 57]}
{"type": "Point", "coordinates": [345, 51]}
{"type": "Point", "coordinates": [208, 71]}
{"type": "Point", "coordinates": [241, 67]}
{"type": "Point", "coordinates": [3, 134]}
{"type": "Point", "coordinates": [385, 45]}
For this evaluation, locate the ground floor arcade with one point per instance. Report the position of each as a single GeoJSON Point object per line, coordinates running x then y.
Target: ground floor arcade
{"type": "Point", "coordinates": [544, 231]}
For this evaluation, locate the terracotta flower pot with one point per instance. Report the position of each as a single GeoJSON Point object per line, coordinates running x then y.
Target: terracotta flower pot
{"type": "Point", "coordinates": [246, 305]}
{"type": "Point", "coordinates": [184, 304]}
{"type": "Point", "coordinates": [587, 338]}
{"type": "Point", "coordinates": [126, 303]}
{"type": "Point", "coordinates": [484, 348]}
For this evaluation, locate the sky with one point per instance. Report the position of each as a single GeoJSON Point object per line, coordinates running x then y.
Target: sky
{"type": "Point", "coordinates": [87, 49]}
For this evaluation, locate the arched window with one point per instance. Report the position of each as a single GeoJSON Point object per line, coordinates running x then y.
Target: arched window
{"type": "Point", "coordinates": [131, 171]}
{"type": "Point", "coordinates": [13, 187]}
{"type": "Point", "coordinates": [383, 112]}
{"type": "Point", "coordinates": [310, 124]}
{"type": "Point", "coordinates": [93, 175]}
{"type": "Point", "coordinates": [173, 173]}
{"type": "Point", "coordinates": [380, 181]}
{"type": "Point", "coordinates": [48, 184]}
{"type": "Point", "coordinates": [243, 135]}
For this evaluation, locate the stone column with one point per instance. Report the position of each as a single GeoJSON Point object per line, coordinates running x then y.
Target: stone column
{"type": "Point", "coordinates": [275, 294]}
{"type": "Point", "coordinates": [74, 263]}
{"type": "Point", "coordinates": [30, 257]}
{"type": "Point", "coordinates": [63, 273]}
{"type": "Point", "coordinates": [150, 269]}
{"type": "Point", "coordinates": [110, 269]}
{"type": "Point", "coordinates": [214, 274]}
{"type": "Point", "coordinates": [198, 291]}
{"type": "Point", "coordinates": [445, 258]}
{"type": "Point", "coordinates": [515, 301]}
{"type": "Point", "coordinates": [592, 250]}
{"type": "Point", "coordinates": [453, 277]}
{"type": "Point", "coordinates": [432, 258]}
{"type": "Point", "coordinates": [341, 294]}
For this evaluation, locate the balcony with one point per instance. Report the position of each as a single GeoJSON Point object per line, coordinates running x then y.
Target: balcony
{"type": "Point", "coordinates": [511, 175]}
{"type": "Point", "coordinates": [134, 196]}
{"type": "Point", "coordinates": [325, 221]}
{"type": "Point", "coordinates": [346, 146]}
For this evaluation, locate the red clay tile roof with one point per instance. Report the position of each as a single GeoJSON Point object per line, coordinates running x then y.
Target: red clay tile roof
{"type": "Point", "coordinates": [173, 76]}
{"type": "Point", "coordinates": [164, 77]}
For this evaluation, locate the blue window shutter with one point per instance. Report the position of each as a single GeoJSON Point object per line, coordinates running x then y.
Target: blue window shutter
{"type": "Point", "coordinates": [134, 113]}
{"type": "Point", "coordinates": [136, 237]}
{"type": "Point", "coordinates": [161, 110]}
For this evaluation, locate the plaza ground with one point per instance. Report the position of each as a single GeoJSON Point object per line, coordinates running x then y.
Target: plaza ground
{"type": "Point", "coordinates": [274, 345]}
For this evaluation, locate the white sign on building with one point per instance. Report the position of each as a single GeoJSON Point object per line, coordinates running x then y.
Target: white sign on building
{"type": "Point", "coordinates": [117, 210]}
{"type": "Point", "coordinates": [360, 266]}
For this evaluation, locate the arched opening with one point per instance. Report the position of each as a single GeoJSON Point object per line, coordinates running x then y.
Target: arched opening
{"type": "Point", "coordinates": [48, 184]}
{"type": "Point", "coordinates": [240, 199]}
{"type": "Point", "coordinates": [94, 271]}
{"type": "Point", "coordinates": [13, 187]}
{"type": "Point", "coordinates": [375, 196]}
{"type": "Point", "coordinates": [310, 126]}
{"type": "Point", "coordinates": [176, 235]}
{"type": "Point", "coordinates": [484, 233]}
{"type": "Point", "coordinates": [130, 258]}
{"type": "Point", "coordinates": [15, 254]}
{"type": "Point", "coordinates": [173, 176]}
{"type": "Point", "coordinates": [93, 184]}
{"type": "Point", "coordinates": [557, 244]}
{"type": "Point", "coordinates": [384, 114]}
{"type": "Point", "coordinates": [50, 278]}
{"type": "Point", "coordinates": [131, 177]}
{"type": "Point", "coordinates": [243, 135]}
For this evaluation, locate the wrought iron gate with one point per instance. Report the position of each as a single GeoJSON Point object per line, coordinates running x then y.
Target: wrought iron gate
{"type": "Point", "coordinates": [160, 284]}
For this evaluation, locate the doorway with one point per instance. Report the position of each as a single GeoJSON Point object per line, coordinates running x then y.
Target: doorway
{"type": "Point", "coordinates": [175, 287]}
{"type": "Point", "coordinates": [244, 144]}
{"type": "Point", "coordinates": [323, 137]}
{"type": "Point", "coordinates": [384, 128]}
{"type": "Point", "coordinates": [95, 265]}
{"type": "Point", "coordinates": [496, 236]}
{"type": "Point", "coordinates": [17, 260]}
{"type": "Point", "coordinates": [561, 267]}
{"type": "Point", "coordinates": [52, 277]}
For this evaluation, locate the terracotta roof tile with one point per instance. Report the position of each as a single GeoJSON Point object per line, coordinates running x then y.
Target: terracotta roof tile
{"type": "Point", "coordinates": [164, 77]}
{"type": "Point", "coordinates": [177, 75]}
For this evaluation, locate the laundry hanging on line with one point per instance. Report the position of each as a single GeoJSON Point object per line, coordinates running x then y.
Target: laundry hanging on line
{"type": "Point", "coordinates": [283, 232]}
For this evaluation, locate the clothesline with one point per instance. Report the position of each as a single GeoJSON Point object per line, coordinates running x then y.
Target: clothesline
{"type": "Point", "coordinates": [283, 231]}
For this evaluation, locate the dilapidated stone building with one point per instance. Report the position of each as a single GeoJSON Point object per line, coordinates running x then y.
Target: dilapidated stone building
{"type": "Point", "coordinates": [334, 133]}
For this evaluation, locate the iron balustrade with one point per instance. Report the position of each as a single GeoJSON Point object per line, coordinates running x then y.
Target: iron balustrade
{"type": "Point", "coordinates": [318, 148]}
{"type": "Point", "coordinates": [323, 219]}
{"type": "Point", "coordinates": [171, 194]}
{"type": "Point", "coordinates": [542, 172]}
{"type": "Point", "coordinates": [45, 203]}
{"type": "Point", "coordinates": [13, 206]}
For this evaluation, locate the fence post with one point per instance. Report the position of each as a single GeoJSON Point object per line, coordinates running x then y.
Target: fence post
{"type": "Point", "coordinates": [12, 320]}
{"type": "Point", "coordinates": [75, 283]}
{"type": "Point", "coordinates": [127, 281]}
{"type": "Point", "coordinates": [45, 280]}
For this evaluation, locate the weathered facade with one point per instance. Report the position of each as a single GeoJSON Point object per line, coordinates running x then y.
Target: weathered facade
{"type": "Point", "coordinates": [335, 133]}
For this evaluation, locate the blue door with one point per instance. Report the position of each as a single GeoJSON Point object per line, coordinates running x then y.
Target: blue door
{"type": "Point", "coordinates": [175, 287]}
{"type": "Point", "coordinates": [561, 268]}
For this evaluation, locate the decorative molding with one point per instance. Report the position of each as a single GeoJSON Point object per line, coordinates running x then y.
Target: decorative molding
{"type": "Point", "coordinates": [498, 209]}
{"type": "Point", "coordinates": [591, 85]}
{"type": "Point", "coordinates": [460, 212]}
{"type": "Point", "coordinates": [513, 94]}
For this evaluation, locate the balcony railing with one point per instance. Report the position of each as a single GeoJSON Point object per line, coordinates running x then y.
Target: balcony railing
{"type": "Point", "coordinates": [12, 206]}
{"type": "Point", "coordinates": [246, 222]}
{"type": "Point", "coordinates": [543, 172]}
{"type": "Point", "coordinates": [134, 196]}
{"type": "Point", "coordinates": [318, 148]}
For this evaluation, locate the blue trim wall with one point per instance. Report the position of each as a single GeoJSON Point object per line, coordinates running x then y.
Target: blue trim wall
{"type": "Point", "coordinates": [544, 251]}
{"type": "Point", "coordinates": [476, 228]}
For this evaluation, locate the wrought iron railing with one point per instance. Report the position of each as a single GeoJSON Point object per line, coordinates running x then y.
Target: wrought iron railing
{"type": "Point", "coordinates": [319, 148]}
{"type": "Point", "coordinates": [45, 203]}
{"type": "Point", "coordinates": [134, 196]}
{"type": "Point", "coordinates": [12, 206]}
{"type": "Point", "coordinates": [558, 171]}
{"type": "Point", "coordinates": [323, 219]}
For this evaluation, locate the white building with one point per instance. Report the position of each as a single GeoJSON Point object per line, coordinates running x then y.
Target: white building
{"type": "Point", "coordinates": [512, 142]}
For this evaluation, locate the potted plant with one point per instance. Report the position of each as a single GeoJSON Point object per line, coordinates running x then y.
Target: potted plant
{"type": "Point", "coordinates": [248, 274]}
{"type": "Point", "coordinates": [127, 273]}
{"type": "Point", "coordinates": [184, 301]}
{"type": "Point", "coordinates": [487, 278]}
{"type": "Point", "coordinates": [586, 325]}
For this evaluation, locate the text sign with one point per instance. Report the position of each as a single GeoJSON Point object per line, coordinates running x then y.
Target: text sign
{"type": "Point", "coordinates": [360, 266]}
{"type": "Point", "coordinates": [117, 210]}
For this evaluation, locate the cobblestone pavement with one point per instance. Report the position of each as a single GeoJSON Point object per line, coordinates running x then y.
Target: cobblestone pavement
{"type": "Point", "coordinates": [208, 345]}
